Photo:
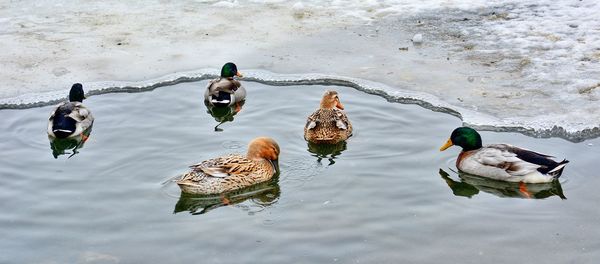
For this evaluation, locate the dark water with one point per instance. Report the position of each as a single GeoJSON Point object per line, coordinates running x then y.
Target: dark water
{"type": "Point", "coordinates": [387, 196]}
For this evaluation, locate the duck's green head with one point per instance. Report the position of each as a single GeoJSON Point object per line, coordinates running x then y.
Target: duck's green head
{"type": "Point", "coordinates": [229, 70]}
{"type": "Point", "coordinates": [76, 93]}
{"type": "Point", "coordinates": [465, 137]}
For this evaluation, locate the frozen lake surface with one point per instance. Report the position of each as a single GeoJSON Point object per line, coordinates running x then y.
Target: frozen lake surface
{"type": "Point", "coordinates": [524, 65]}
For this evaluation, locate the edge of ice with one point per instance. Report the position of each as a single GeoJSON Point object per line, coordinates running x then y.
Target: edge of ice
{"type": "Point", "coordinates": [536, 127]}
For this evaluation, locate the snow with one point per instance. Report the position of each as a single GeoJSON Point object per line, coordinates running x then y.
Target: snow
{"type": "Point", "coordinates": [417, 38]}
{"type": "Point", "coordinates": [529, 64]}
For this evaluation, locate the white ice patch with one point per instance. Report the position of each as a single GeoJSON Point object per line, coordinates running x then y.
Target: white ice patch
{"type": "Point", "coordinates": [228, 4]}
{"type": "Point", "coordinates": [417, 38]}
{"type": "Point", "coordinates": [549, 50]}
{"type": "Point", "coordinates": [560, 41]}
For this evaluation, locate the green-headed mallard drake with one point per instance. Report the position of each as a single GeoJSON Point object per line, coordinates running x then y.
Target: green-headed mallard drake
{"type": "Point", "coordinates": [329, 124]}
{"type": "Point", "coordinates": [225, 91]}
{"type": "Point", "coordinates": [235, 171]}
{"type": "Point", "coordinates": [72, 118]}
{"type": "Point", "coordinates": [502, 161]}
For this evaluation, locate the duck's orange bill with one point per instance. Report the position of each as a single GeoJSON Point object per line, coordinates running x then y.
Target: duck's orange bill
{"type": "Point", "coordinates": [447, 145]}
{"type": "Point", "coordinates": [239, 74]}
{"type": "Point", "coordinates": [339, 105]}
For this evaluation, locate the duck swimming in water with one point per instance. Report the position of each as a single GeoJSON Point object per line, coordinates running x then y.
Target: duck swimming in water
{"type": "Point", "coordinates": [329, 124]}
{"type": "Point", "coordinates": [225, 90]}
{"type": "Point", "coordinates": [234, 171]}
{"type": "Point", "coordinates": [72, 118]}
{"type": "Point", "coordinates": [502, 161]}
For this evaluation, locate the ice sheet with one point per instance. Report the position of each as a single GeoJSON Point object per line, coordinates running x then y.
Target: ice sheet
{"type": "Point", "coordinates": [531, 66]}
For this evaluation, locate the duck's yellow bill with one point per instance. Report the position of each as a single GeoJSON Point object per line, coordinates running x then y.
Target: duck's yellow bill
{"type": "Point", "coordinates": [447, 145]}
{"type": "Point", "coordinates": [239, 74]}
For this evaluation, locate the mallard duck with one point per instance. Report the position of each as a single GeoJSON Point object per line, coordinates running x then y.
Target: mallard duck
{"type": "Point", "coordinates": [72, 118]}
{"type": "Point", "coordinates": [502, 161]}
{"type": "Point", "coordinates": [329, 124]}
{"type": "Point", "coordinates": [234, 171]}
{"type": "Point", "coordinates": [225, 91]}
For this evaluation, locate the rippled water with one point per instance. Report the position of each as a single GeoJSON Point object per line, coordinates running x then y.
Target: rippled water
{"type": "Point", "coordinates": [387, 196]}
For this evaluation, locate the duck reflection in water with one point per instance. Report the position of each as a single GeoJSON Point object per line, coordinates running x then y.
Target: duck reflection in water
{"type": "Point", "coordinates": [326, 151]}
{"type": "Point", "coordinates": [61, 146]}
{"type": "Point", "coordinates": [470, 185]}
{"type": "Point", "coordinates": [223, 114]}
{"type": "Point", "coordinates": [261, 195]}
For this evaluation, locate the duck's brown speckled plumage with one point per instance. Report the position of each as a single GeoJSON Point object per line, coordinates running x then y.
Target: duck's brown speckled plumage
{"type": "Point", "coordinates": [329, 124]}
{"type": "Point", "coordinates": [234, 171]}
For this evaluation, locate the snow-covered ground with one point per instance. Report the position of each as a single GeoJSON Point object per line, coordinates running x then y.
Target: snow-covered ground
{"type": "Point", "coordinates": [529, 64]}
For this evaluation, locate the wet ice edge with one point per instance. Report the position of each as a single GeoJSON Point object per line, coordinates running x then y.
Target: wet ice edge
{"type": "Point", "coordinates": [546, 126]}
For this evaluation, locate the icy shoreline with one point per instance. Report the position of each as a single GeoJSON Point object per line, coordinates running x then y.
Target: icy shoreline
{"type": "Point", "coordinates": [536, 128]}
{"type": "Point", "coordinates": [528, 66]}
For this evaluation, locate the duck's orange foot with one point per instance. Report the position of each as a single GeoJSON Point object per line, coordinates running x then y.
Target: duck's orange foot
{"type": "Point", "coordinates": [523, 190]}
{"type": "Point", "coordinates": [225, 200]}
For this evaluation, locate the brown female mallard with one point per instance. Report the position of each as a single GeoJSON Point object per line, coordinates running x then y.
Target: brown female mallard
{"type": "Point", "coordinates": [234, 171]}
{"type": "Point", "coordinates": [329, 124]}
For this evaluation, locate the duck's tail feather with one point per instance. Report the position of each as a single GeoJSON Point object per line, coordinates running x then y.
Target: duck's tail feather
{"type": "Point", "coordinates": [221, 99]}
{"type": "Point", "coordinates": [172, 179]}
{"type": "Point", "coordinates": [63, 125]}
{"type": "Point", "coordinates": [557, 171]}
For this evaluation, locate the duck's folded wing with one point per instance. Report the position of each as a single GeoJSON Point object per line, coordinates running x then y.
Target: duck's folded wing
{"type": "Point", "coordinates": [211, 87]}
{"type": "Point", "coordinates": [83, 112]}
{"type": "Point", "coordinates": [218, 172]}
{"type": "Point", "coordinates": [223, 167]}
{"type": "Point", "coordinates": [53, 114]}
{"type": "Point", "coordinates": [341, 120]}
{"type": "Point", "coordinates": [545, 162]}
{"type": "Point", "coordinates": [80, 113]}
{"type": "Point", "coordinates": [503, 158]}
{"type": "Point", "coordinates": [225, 85]}
{"type": "Point", "coordinates": [312, 120]}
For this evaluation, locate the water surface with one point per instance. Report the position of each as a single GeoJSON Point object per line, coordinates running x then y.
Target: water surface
{"type": "Point", "coordinates": [379, 198]}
